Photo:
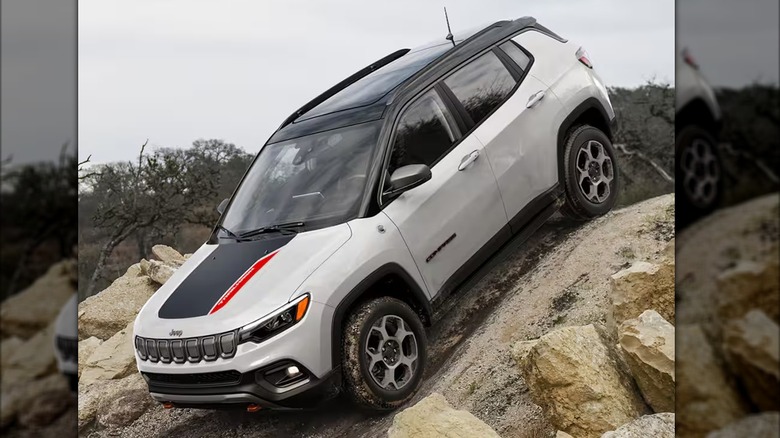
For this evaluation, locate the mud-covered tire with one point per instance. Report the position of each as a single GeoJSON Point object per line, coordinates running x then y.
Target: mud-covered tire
{"type": "Point", "coordinates": [708, 180]}
{"type": "Point", "coordinates": [576, 206]}
{"type": "Point", "coordinates": [358, 382]}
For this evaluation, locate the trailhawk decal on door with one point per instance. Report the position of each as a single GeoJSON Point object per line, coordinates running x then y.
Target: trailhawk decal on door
{"type": "Point", "coordinates": [219, 277]}
{"type": "Point", "coordinates": [438, 250]}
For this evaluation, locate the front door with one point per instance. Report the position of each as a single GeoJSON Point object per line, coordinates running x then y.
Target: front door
{"type": "Point", "coordinates": [446, 220]}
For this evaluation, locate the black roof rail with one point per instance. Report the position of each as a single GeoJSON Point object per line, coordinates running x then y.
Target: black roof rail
{"type": "Point", "coordinates": [344, 84]}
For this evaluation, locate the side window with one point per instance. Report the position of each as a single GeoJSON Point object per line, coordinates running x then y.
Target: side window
{"type": "Point", "coordinates": [481, 85]}
{"type": "Point", "coordinates": [423, 134]}
{"type": "Point", "coordinates": [517, 54]}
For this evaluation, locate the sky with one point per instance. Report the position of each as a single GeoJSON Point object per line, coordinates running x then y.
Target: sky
{"type": "Point", "coordinates": [38, 79]}
{"type": "Point", "coordinates": [176, 71]}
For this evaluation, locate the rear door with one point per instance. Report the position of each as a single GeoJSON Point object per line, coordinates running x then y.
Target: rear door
{"type": "Point", "coordinates": [446, 220]}
{"type": "Point", "coordinates": [517, 127]}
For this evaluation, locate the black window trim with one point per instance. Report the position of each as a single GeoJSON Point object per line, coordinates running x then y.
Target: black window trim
{"type": "Point", "coordinates": [464, 124]}
{"type": "Point", "coordinates": [457, 131]}
{"type": "Point", "coordinates": [517, 73]}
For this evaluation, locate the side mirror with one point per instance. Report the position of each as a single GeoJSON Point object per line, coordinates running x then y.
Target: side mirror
{"type": "Point", "coordinates": [406, 178]}
{"type": "Point", "coordinates": [222, 205]}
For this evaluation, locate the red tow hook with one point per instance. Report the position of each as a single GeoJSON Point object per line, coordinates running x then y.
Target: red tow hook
{"type": "Point", "coordinates": [253, 407]}
{"type": "Point", "coordinates": [167, 405]}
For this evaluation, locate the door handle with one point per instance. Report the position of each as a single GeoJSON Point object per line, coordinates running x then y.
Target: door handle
{"type": "Point", "coordinates": [468, 159]}
{"type": "Point", "coordinates": [536, 98]}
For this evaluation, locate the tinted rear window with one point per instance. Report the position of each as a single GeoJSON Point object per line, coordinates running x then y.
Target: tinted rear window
{"type": "Point", "coordinates": [481, 85]}
{"type": "Point", "coordinates": [371, 88]}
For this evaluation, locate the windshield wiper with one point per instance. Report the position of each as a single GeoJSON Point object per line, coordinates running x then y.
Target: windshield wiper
{"type": "Point", "coordinates": [229, 233]}
{"type": "Point", "coordinates": [285, 228]}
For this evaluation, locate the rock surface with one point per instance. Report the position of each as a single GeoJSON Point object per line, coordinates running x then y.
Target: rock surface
{"type": "Point", "coordinates": [158, 271]}
{"type": "Point", "coordinates": [648, 346]}
{"type": "Point", "coordinates": [640, 287]}
{"type": "Point", "coordinates": [98, 396]}
{"type": "Point", "coordinates": [18, 398]}
{"type": "Point", "coordinates": [125, 409]}
{"type": "Point", "coordinates": [763, 425]}
{"type": "Point", "coordinates": [32, 309]}
{"type": "Point", "coordinates": [577, 381]}
{"type": "Point", "coordinates": [166, 254]}
{"type": "Point", "coordinates": [656, 426]}
{"type": "Point", "coordinates": [86, 348]}
{"type": "Point", "coordinates": [46, 406]}
{"type": "Point", "coordinates": [706, 399]}
{"type": "Point", "coordinates": [746, 286]}
{"type": "Point", "coordinates": [34, 357]}
{"type": "Point", "coordinates": [112, 359]}
{"type": "Point", "coordinates": [433, 417]}
{"type": "Point", "coordinates": [752, 346]}
{"type": "Point", "coordinates": [104, 314]}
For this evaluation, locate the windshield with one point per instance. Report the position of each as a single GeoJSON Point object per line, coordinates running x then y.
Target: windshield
{"type": "Point", "coordinates": [317, 179]}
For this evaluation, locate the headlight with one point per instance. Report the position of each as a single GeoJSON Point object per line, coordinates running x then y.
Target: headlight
{"type": "Point", "coordinates": [275, 323]}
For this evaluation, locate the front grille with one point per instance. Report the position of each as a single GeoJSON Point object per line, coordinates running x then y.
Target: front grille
{"type": "Point", "coordinates": [219, 378]}
{"type": "Point", "coordinates": [68, 347]}
{"type": "Point", "coordinates": [193, 350]}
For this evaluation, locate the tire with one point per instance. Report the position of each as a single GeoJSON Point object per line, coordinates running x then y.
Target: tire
{"type": "Point", "coordinates": [699, 174]}
{"type": "Point", "coordinates": [360, 337]}
{"type": "Point", "coordinates": [577, 205]}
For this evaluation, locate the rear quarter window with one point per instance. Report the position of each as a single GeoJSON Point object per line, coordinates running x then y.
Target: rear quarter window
{"type": "Point", "coordinates": [481, 85]}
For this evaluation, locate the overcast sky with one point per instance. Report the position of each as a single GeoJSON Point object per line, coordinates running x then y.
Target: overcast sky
{"type": "Point", "coordinates": [38, 71]}
{"type": "Point", "coordinates": [175, 71]}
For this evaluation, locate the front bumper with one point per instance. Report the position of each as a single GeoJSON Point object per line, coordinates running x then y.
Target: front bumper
{"type": "Point", "coordinates": [239, 379]}
{"type": "Point", "coordinates": [250, 388]}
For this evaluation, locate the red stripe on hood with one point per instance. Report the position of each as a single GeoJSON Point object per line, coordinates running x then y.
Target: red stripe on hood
{"type": "Point", "coordinates": [242, 280]}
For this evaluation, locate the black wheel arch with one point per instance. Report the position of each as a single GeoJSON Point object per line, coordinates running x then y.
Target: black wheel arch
{"type": "Point", "coordinates": [382, 282]}
{"type": "Point", "coordinates": [589, 112]}
{"type": "Point", "coordinates": [696, 112]}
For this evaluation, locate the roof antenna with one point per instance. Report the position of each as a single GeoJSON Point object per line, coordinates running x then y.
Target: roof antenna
{"type": "Point", "coordinates": [449, 34]}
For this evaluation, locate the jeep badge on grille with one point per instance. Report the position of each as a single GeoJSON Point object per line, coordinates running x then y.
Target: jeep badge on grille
{"type": "Point", "coordinates": [175, 333]}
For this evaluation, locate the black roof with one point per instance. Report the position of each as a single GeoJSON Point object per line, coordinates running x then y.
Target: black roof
{"type": "Point", "coordinates": [365, 95]}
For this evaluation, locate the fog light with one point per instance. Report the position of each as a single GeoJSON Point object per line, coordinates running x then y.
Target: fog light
{"type": "Point", "coordinates": [292, 371]}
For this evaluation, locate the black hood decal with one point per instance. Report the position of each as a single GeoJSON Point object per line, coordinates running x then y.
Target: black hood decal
{"type": "Point", "coordinates": [206, 284]}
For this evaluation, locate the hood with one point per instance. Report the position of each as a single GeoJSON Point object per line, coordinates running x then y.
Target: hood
{"type": "Point", "coordinates": [66, 325]}
{"type": "Point", "coordinates": [225, 286]}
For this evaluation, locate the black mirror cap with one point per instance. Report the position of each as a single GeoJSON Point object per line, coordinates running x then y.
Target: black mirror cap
{"type": "Point", "coordinates": [407, 177]}
{"type": "Point", "coordinates": [222, 205]}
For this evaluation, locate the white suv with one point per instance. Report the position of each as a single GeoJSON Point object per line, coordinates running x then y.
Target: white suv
{"type": "Point", "coordinates": [366, 208]}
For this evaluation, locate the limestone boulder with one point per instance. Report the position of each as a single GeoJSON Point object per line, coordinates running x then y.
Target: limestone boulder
{"type": "Point", "coordinates": [44, 408]}
{"type": "Point", "coordinates": [26, 313]}
{"type": "Point", "coordinates": [104, 314]}
{"type": "Point", "coordinates": [7, 347]}
{"type": "Point", "coordinates": [86, 348]}
{"type": "Point", "coordinates": [125, 409]}
{"type": "Point", "coordinates": [97, 396]}
{"type": "Point", "coordinates": [112, 359]}
{"type": "Point", "coordinates": [19, 398]}
{"type": "Point", "coordinates": [35, 356]}
{"type": "Point", "coordinates": [521, 349]}
{"type": "Point", "coordinates": [640, 287]}
{"type": "Point", "coordinates": [168, 255]}
{"type": "Point", "coordinates": [647, 343]}
{"type": "Point", "coordinates": [752, 346]}
{"type": "Point", "coordinates": [578, 382]}
{"type": "Point", "coordinates": [763, 425]}
{"type": "Point", "coordinates": [158, 271]}
{"type": "Point", "coordinates": [434, 417]}
{"type": "Point", "coordinates": [749, 285]}
{"type": "Point", "coordinates": [706, 398]}
{"type": "Point", "coordinates": [656, 426]}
